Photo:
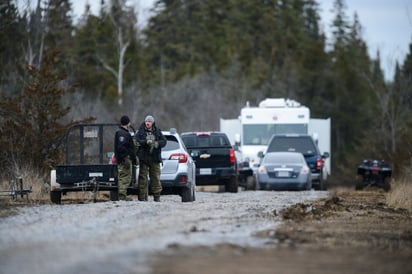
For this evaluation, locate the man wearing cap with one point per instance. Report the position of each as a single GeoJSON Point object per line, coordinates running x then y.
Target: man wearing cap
{"type": "Point", "coordinates": [124, 151]}
{"type": "Point", "coordinates": [151, 141]}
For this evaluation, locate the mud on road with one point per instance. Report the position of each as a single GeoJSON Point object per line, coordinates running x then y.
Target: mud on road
{"type": "Point", "coordinates": [348, 232]}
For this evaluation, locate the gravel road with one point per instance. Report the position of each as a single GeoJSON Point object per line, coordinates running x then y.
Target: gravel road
{"type": "Point", "coordinates": [118, 237]}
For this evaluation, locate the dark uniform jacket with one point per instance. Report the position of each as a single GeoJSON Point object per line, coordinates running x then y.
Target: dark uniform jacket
{"type": "Point", "coordinates": [123, 145]}
{"type": "Point", "coordinates": [145, 151]}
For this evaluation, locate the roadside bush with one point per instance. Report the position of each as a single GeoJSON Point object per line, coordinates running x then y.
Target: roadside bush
{"type": "Point", "coordinates": [400, 195]}
{"type": "Point", "coordinates": [32, 179]}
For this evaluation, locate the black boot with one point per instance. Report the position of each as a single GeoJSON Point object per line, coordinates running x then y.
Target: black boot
{"type": "Point", "coordinates": [124, 198]}
{"type": "Point", "coordinates": [156, 198]}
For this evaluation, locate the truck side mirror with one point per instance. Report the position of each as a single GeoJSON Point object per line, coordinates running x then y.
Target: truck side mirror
{"type": "Point", "coordinates": [325, 155]}
{"type": "Point", "coordinates": [260, 154]}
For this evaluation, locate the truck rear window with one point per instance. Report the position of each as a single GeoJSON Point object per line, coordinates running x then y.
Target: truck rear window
{"type": "Point", "coordinates": [205, 141]}
{"type": "Point", "coordinates": [305, 145]}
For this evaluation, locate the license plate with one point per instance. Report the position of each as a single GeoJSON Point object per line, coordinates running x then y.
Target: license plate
{"type": "Point", "coordinates": [95, 174]}
{"type": "Point", "coordinates": [205, 171]}
{"type": "Point", "coordinates": [283, 173]}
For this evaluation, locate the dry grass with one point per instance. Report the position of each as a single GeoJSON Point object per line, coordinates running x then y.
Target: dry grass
{"type": "Point", "coordinates": [31, 181]}
{"type": "Point", "coordinates": [400, 195]}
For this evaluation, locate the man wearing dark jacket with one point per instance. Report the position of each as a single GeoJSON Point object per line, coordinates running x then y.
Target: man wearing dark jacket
{"type": "Point", "coordinates": [151, 141]}
{"type": "Point", "coordinates": [125, 153]}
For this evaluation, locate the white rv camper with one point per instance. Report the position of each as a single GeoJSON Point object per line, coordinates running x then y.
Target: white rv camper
{"type": "Point", "coordinates": [255, 125]}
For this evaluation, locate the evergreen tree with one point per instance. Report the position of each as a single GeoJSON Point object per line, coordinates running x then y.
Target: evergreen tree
{"type": "Point", "coordinates": [32, 128]}
{"type": "Point", "coordinates": [11, 55]}
{"type": "Point", "coordinates": [349, 91]}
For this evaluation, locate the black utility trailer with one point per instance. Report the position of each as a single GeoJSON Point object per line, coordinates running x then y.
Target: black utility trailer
{"type": "Point", "coordinates": [88, 151]}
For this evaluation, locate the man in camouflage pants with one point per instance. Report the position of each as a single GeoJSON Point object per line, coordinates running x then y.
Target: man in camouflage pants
{"type": "Point", "coordinates": [125, 153]}
{"type": "Point", "coordinates": [151, 141]}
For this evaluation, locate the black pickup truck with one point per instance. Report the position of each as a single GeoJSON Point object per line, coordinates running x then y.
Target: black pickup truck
{"type": "Point", "coordinates": [214, 157]}
{"type": "Point", "coordinates": [88, 149]}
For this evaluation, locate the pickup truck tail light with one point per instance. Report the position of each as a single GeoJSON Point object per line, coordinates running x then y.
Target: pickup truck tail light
{"type": "Point", "coordinates": [320, 163]}
{"type": "Point", "coordinates": [181, 157]}
{"type": "Point", "coordinates": [232, 158]}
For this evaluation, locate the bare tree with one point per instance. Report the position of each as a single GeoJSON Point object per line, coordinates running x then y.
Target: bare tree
{"type": "Point", "coordinates": [124, 21]}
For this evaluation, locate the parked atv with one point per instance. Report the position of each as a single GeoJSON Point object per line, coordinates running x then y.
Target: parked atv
{"type": "Point", "coordinates": [374, 173]}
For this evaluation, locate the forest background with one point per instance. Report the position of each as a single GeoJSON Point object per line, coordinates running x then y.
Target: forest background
{"type": "Point", "coordinates": [194, 62]}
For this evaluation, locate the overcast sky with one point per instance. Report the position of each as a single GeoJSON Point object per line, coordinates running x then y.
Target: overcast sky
{"type": "Point", "coordinates": [387, 24]}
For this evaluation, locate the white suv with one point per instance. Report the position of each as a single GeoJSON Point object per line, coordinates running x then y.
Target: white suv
{"type": "Point", "coordinates": [178, 170]}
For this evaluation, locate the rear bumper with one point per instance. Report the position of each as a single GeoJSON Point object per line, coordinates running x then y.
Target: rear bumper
{"type": "Point", "coordinates": [316, 177]}
{"type": "Point", "coordinates": [175, 181]}
{"type": "Point", "coordinates": [217, 176]}
{"type": "Point", "coordinates": [283, 186]}
{"type": "Point", "coordinates": [101, 187]}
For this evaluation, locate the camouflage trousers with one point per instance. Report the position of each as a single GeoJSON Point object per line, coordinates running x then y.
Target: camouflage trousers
{"type": "Point", "coordinates": [151, 169]}
{"type": "Point", "coordinates": [124, 176]}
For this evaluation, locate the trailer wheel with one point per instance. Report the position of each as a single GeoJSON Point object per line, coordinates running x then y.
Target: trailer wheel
{"type": "Point", "coordinates": [56, 197]}
{"type": "Point", "coordinates": [114, 195]}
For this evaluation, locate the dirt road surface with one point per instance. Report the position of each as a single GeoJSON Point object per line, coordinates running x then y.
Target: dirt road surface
{"type": "Point", "coordinates": [347, 232]}
{"type": "Point", "coordinates": [120, 237]}
{"type": "Point", "coordinates": [245, 232]}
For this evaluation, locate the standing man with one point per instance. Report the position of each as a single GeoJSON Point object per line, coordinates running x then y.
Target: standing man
{"type": "Point", "coordinates": [151, 141]}
{"type": "Point", "coordinates": [125, 153]}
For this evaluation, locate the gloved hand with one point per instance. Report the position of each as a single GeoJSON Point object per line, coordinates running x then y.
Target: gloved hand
{"type": "Point", "coordinates": [149, 142]}
{"type": "Point", "coordinates": [156, 144]}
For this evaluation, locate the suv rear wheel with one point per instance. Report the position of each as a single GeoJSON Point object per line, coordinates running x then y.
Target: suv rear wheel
{"type": "Point", "coordinates": [188, 194]}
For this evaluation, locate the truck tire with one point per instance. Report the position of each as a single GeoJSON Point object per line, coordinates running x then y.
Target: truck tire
{"type": "Point", "coordinates": [114, 195]}
{"type": "Point", "coordinates": [323, 185]}
{"type": "Point", "coordinates": [250, 183]}
{"type": "Point", "coordinates": [56, 197]}
{"type": "Point", "coordinates": [194, 193]}
{"type": "Point", "coordinates": [232, 185]}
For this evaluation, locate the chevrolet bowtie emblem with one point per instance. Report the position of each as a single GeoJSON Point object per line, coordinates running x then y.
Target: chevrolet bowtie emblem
{"type": "Point", "coordinates": [204, 156]}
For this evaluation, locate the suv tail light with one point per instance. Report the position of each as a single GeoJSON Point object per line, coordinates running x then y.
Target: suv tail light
{"type": "Point", "coordinates": [232, 158]}
{"type": "Point", "coordinates": [319, 163]}
{"type": "Point", "coordinates": [181, 157]}
{"type": "Point", "coordinates": [183, 179]}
